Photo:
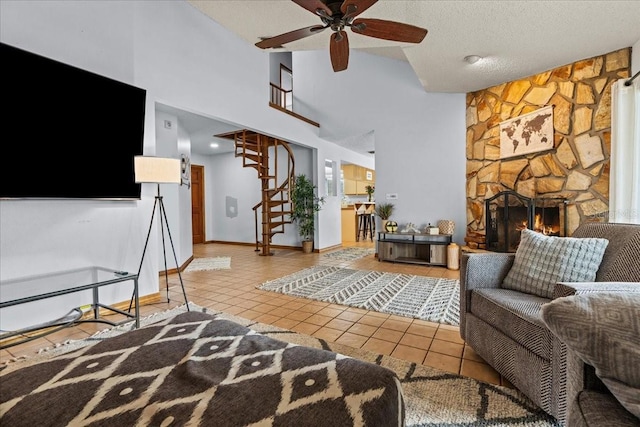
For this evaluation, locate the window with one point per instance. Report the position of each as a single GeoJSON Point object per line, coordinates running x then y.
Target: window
{"type": "Point", "coordinates": [330, 169]}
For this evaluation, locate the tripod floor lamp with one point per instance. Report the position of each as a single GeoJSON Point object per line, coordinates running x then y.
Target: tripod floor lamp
{"type": "Point", "coordinates": [159, 170]}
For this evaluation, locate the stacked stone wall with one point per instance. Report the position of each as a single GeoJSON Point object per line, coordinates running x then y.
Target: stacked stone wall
{"type": "Point", "coordinates": [576, 169]}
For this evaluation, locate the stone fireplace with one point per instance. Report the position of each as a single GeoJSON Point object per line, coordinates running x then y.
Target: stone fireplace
{"type": "Point", "coordinates": [508, 213]}
{"type": "Point", "coordinates": [570, 180]}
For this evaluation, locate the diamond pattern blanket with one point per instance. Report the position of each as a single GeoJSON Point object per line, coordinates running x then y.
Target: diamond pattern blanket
{"type": "Point", "coordinates": [201, 370]}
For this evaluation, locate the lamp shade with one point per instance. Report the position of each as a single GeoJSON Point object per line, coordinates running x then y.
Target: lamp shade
{"type": "Point", "coordinates": [157, 169]}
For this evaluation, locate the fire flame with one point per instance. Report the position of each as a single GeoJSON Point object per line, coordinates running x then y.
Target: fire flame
{"type": "Point", "coordinates": [538, 226]}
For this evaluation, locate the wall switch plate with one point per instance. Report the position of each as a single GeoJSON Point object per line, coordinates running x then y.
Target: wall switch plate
{"type": "Point", "coordinates": [168, 124]}
{"type": "Point", "coordinates": [392, 196]}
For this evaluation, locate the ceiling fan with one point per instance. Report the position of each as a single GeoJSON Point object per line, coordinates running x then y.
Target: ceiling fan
{"type": "Point", "coordinates": [338, 14]}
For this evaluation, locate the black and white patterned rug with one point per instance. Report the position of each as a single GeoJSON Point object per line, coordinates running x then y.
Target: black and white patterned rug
{"type": "Point", "coordinates": [428, 298]}
{"type": "Point", "coordinates": [345, 255]}
{"type": "Point", "coordinates": [433, 398]}
{"type": "Point", "coordinates": [204, 264]}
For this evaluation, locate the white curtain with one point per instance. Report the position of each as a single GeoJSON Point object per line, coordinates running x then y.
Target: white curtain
{"type": "Point", "coordinates": [624, 184]}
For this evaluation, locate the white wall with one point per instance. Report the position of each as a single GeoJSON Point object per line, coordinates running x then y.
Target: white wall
{"type": "Point", "coordinates": [185, 60]}
{"type": "Point", "coordinates": [419, 136]}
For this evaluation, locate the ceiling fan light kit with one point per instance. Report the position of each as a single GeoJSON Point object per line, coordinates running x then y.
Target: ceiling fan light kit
{"type": "Point", "coordinates": [338, 14]}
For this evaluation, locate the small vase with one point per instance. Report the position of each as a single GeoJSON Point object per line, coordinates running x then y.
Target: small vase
{"type": "Point", "coordinates": [369, 197]}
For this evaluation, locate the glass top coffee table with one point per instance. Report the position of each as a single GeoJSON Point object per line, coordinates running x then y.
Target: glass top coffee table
{"type": "Point", "coordinates": [24, 290]}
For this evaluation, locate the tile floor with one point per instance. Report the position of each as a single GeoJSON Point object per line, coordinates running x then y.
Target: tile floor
{"type": "Point", "coordinates": [235, 291]}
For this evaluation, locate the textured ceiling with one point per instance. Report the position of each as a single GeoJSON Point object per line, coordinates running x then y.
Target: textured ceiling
{"type": "Point", "coordinates": [516, 38]}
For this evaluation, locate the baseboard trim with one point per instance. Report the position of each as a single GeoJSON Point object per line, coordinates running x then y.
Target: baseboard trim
{"type": "Point", "coordinates": [226, 242]}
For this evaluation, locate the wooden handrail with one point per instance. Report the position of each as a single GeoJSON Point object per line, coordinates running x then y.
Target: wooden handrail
{"type": "Point", "coordinates": [279, 97]}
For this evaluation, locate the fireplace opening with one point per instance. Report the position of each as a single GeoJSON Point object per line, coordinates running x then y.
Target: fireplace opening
{"type": "Point", "coordinates": [508, 213]}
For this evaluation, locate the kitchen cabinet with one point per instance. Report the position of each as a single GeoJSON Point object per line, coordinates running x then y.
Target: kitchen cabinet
{"type": "Point", "coordinates": [356, 178]}
{"type": "Point", "coordinates": [350, 186]}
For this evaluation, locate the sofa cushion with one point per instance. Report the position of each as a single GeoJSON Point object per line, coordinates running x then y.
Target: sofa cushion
{"type": "Point", "coordinates": [603, 329]}
{"type": "Point", "coordinates": [515, 314]}
{"type": "Point", "coordinates": [542, 261]}
{"type": "Point", "coordinates": [594, 409]}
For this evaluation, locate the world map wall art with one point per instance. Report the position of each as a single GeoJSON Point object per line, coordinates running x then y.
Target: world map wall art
{"type": "Point", "coordinates": [529, 133]}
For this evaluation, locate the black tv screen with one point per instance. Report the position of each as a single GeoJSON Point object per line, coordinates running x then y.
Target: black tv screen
{"type": "Point", "coordinates": [68, 133]}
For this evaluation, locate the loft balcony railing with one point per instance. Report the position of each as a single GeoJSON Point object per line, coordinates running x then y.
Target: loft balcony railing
{"type": "Point", "coordinates": [282, 100]}
{"type": "Point", "coordinates": [281, 97]}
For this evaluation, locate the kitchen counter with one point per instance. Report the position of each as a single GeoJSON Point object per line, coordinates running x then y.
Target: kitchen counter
{"type": "Point", "coordinates": [349, 218]}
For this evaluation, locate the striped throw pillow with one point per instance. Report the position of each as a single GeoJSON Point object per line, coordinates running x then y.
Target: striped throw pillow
{"type": "Point", "coordinates": [542, 261]}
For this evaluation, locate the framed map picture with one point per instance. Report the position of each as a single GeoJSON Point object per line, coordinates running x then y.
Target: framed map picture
{"type": "Point", "coordinates": [529, 133]}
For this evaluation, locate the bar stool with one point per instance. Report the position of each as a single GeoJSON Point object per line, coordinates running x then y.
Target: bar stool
{"type": "Point", "coordinates": [366, 225]}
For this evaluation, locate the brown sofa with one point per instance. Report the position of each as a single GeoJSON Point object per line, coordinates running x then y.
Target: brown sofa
{"type": "Point", "coordinates": [505, 326]}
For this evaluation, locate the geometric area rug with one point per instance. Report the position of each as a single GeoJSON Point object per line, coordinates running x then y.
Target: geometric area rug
{"type": "Point", "coordinates": [345, 254]}
{"type": "Point", "coordinates": [202, 264]}
{"type": "Point", "coordinates": [434, 299]}
{"type": "Point", "coordinates": [432, 397]}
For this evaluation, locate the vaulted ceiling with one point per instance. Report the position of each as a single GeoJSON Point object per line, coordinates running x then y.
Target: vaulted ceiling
{"type": "Point", "coordinates": [515, 38]}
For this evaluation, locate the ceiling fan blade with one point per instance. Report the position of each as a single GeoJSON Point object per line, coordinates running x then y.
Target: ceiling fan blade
{"type": "Point", "coordinates": [389, 30]}
{"type": "Point", "coordinates": [290, 36]}
{"type": "Point", "coordinates": [313, 5]}
{"type": "Point", "coordinates": [353, 8]}
{"type": "Point", "coordinates": [339, 51]}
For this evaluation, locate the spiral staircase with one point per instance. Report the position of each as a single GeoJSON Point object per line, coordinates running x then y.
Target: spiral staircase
{"type": "Point", "coordinates": [265, 154]}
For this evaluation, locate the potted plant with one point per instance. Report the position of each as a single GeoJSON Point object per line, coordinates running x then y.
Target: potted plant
{"type": "Point", "coordinates": [384, 211]}
{"type": "Point", "coordinates": [305, 204]}
{"type": "Point", "coordinates": [370, 189]}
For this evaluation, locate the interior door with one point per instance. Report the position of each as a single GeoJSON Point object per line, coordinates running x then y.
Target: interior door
{"type": "Point", "coordinates": [197, 203]}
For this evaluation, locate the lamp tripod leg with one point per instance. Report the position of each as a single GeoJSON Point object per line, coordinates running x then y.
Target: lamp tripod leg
{"type": "Point", "coordinates": [163, 223]}
{"type": "Point", "coordinates": [175, 258]}
{"type": "Point", "coordinates": [144, 251]}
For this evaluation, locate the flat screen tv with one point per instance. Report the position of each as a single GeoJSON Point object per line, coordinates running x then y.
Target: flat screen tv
{"type": "Point", "coordinates": [68, 133]}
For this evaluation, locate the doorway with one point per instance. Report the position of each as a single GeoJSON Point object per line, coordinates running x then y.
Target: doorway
{"type": "Point", "coordinates": [197, 203]}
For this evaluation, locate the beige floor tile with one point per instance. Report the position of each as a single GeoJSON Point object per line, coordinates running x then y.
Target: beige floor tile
{"type": "Point", "coordinates": [263, 308]}
{"type": "Point", "coordinates": [416, 341]}
{"type": "Point", "coordinates": [379, 346]}
{"type": "Point", "coordinates": [425, 331]}
{"type": "Point", "coordinates": [425, 323]}
{"type": "Point", "coordinates": [294, 305]}
{"type": "Point", "coordinates": [339, 324]}
{"type": "Point", "coordinates": [330, 311]}
{"type": "Point", "coordinates": [378, 314]}
{"type": "Point", "coordinates": [267, 318]}
{"type": "Point", "coordinates": [305, 328]}
{"type": "Point", "coordinates": [364, 330]}
{"type": "Point", "coordinates": [411, 354]}
{"type": "Point", "coordinates": [328, 334]}
{"type": "Point", "coordinates": [470, 354]}
{"type": "Point", "coordinates": [310, 308]}
{"type": "Point", "coordinates": [351, 316]}
{"type": "Point", "coordinates": [281, 311]}
{"type": "Point", "coordinates": [396, 325]}
{"type": "Point", "coordinates": [449, 335]}
{"type": "Point", "coordinates": [286, 323]}
{"type": "Point", "coordinates": [442, 361]}
{"type": "Point", "coordinates": [447, 347]}
{"type": "Point", "coordinates": [251, 314]}
{"type": "Point", "coordinates": [298, 315]}
{"type": "Point", "coordinates": [370, 319]}
{"type": "Point", "coordinates": [388, 335]}
{"type": "Point", "coordinates": [352, 340]}
{"type": "Point", "coordinates": [318, 319]}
